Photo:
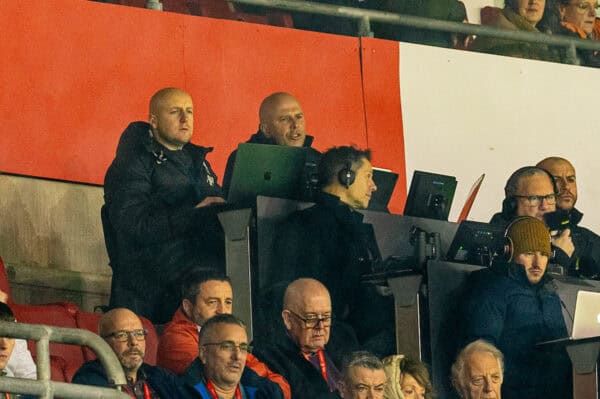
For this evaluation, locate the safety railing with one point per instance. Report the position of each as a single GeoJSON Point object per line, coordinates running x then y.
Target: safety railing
{"type": "Point", "coordinates": [43, 387]}
{"type": "Point", "coordinates": [365, 17]}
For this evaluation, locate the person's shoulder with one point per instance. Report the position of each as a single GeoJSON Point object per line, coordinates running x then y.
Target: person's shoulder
{"type": "Point", "coordinates": [91, 373]}
{"type": "Point", "coordinates": [158, 372]}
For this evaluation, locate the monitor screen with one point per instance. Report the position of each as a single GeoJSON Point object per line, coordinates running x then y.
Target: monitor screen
{"type": "Point", "coordinates": [430, 195]}
{"type": "Point", "coordinates": [476, 243]}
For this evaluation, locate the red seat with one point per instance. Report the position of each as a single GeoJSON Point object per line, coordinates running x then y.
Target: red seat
{"type": "Point", "coordinates": [61, 315]}
{"type": "Point", "coordinates": [4, 279]}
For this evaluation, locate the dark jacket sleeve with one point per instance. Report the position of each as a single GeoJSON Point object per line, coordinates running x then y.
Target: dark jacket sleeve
{"type": "Point", "coordinates": [91, 373]}
{"type": "Point", "coordinates": [140, 212]}
{"type": "Point", "coordinates": [228, 173]}
{"type": "Point", "coordinates": [265, 388]}
{"type": "Point", "coordinates": [483, 310]}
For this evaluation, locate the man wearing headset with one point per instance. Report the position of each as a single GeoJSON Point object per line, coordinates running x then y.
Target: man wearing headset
{"type": "Point", "coordinates": [514, 305]}
{"type": "Point", "coordinates": [329, 242]}
{"type": "Point", "coordinates": [530, 191]}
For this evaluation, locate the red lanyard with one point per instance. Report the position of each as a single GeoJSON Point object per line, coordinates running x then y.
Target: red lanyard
{"type": "Point", "coordinates": [213, 393]}
{"type": "Point", "coordinates": [146, 392]}
{"type": "Point", "coordinates": [322, 364]}
{"type": "Point", "coordinates": [132, 394]}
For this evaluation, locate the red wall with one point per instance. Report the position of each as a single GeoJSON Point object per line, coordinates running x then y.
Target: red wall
{"type": "Point", "coordinates": [74, 73]}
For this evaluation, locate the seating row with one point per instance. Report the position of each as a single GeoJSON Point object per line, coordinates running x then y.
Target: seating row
{"type": "Point", "coordinates": [221, 9]}
{"type": "Point", "coordinates": [66, 359]}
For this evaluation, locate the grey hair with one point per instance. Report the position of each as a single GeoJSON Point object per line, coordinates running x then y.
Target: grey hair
{"type": "Point", "coordinates": [512, 184]}
{"type": "Point", "coordinates": [458, 368]}
{"type": "Point", "coordinates": [363, 359]}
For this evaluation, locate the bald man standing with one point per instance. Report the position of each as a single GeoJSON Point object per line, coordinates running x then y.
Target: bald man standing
{"type": "Point", "coordinates": [159, 220]}
{"type": "Point", "coordinates": [281, 122]}
{"type": "Point", "coordinates": [585, 261]}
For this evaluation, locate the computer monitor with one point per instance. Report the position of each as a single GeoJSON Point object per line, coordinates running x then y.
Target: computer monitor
{"type": "Point", "coordinates": [386, 182]}
{"type": "Point", "coordinates": [430, 195]}
{"type": "Point", "coordinates": [476, 243]}
{"type": "Point", "coordinates": [270, 170]}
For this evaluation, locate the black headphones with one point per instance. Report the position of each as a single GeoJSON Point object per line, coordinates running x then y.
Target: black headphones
{"type": "Point", "coordinates": [346, 175]}
{"type": "Point", "coordinates": [509, 204]}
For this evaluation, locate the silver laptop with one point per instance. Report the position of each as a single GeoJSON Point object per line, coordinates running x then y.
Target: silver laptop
{"type": "Point", "coordinates": [586, 323]}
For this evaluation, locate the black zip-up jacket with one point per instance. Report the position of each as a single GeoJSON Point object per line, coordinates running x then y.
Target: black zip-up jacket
{"type": "Point", "coordinates": [153, 231]}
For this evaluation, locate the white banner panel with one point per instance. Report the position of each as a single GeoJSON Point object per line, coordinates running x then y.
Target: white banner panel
{"type": "Point", "coordinates": [466, 113]}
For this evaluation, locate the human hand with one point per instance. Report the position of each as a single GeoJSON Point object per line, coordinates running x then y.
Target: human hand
{"type": "Point", "coordinates": [209, 201]}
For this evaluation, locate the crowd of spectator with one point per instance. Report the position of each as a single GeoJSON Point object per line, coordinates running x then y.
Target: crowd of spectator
{"type": "Point", "coordinates": [322, 330]}
{"type": "Point", "coordinates": [576, 19]}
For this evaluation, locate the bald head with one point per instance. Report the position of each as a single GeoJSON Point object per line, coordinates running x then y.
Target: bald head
{"type": "Point", "coordinates": [307, 314]}
{"type": "Point", "coordinates": [300, 291]}
{"type": "Point", "coordinates": [162, 96]}
{"type": "Point", "coordinates": [172, 117]}
{"type": "Point", "coordinates": [124, 333]}
{"type": "Point", "coordinates": [282, 120]}
{"type": "Point", "coordinates": [564, 176]}
{"type": "Point", "coordinates": [115, 317]}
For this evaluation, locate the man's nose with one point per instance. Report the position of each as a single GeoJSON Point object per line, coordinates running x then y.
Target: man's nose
{"type": "Point", "coordinates": [3, 342]}
{"type": "Point", "coordinates": [131, 340]}
{"type": "Point", "coordinates": [373, 185]}
{"type": "Point", "coordinates": [219, 308]}
{"type": "Point", "coordinates": [487, 382]}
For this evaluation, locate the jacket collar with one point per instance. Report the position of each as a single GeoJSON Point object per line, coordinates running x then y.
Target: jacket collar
{"type": "Point", "coordinates": [260, 138]}
{"type": "Point", "coordinates": [575, 216]}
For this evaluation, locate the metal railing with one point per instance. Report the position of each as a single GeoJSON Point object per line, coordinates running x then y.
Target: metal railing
{"type": "Point", "coordinates": [43, 387]}
{"type": "Point", "coordinates": [364, 18]}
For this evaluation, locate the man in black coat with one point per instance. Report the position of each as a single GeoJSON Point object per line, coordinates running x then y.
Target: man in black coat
{"type": "Point", "coordinates": [585, 261]}
{"type": "Point", "coordinates": [281, 122]}
{"type": "Point", "coordinates": [302, 353]}
{"type": "Point", "coordinates": [159, 216]}
{"type": "Point", "coordinates": [329, 242]}
{"type": "Point", "coordinates": [124, 333]}
{"type": "Point", "coordinates": [514, 305]}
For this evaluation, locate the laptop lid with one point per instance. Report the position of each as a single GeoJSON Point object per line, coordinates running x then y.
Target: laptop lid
{"type": "Point", "coordinates": [386, 182]}
{"type": "Point", "coordinates": [586, 323]}
{"type": "Point", "coordinates": [264, 169]}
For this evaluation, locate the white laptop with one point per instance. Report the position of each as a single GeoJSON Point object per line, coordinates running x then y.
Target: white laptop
{"type": "Point", "coordinates": [586, 323]}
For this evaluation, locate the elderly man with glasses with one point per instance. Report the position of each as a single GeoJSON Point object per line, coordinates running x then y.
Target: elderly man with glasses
{"type": "Point", "coordinates": [124, 333]}
{"type": "Point", "coordinates": [304, 354]}
{"type": "Point", "coordinates": [217, 372]}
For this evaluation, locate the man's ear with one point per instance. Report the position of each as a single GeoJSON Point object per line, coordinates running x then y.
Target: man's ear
{"type": "Point", "coordinates": [263, 128]}
{"type": "Point", "coordinates": [202, 354]}
{"type": "Point", "coordinates": [341, 388]}
{"type": "Point", "coordinates": [285, 315]}
{"type": "Point", "coordinates": [187, 307]}
{"type": "Point", "coordinates": [152, 121]}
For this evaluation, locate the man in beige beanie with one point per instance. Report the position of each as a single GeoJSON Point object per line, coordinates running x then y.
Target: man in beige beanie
{"type": "Point", "coordinates": [514, 305]}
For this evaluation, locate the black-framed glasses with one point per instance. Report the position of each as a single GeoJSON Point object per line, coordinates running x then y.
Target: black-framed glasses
{"type": "Point", "coordinates": [313, 320]}
{"type": "Point", "coordinates": [123, 335]}
{"type": "Point", "coordinates": [536, 200]}
{"type": "Point", "coordinates": [230, 346]}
